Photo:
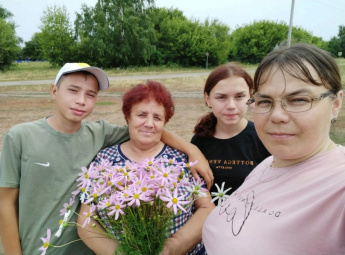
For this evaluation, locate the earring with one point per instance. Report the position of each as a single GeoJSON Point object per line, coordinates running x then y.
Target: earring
{"type": "Point", "coordinates": [334, 120]}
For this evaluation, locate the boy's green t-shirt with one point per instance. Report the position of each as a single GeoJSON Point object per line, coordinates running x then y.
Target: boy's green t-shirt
{"type": "Point", "coordinates": [44, 165]}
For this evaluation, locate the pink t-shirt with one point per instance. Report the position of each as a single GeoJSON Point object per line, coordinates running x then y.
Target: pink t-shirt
{"type": "Point", "coordinates": [293, 210]}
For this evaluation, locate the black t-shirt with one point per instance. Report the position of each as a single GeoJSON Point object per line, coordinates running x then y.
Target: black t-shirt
{"type": "Point", "coordinates": [231, 160]}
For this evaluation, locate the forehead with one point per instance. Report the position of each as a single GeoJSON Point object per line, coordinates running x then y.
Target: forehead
{"type": "Point", "coordinates": [282, 80]}
{"type": "Point", "coordinates": [234, 83]}
{"type": "Point", "coordinates": [149, 105]}
{"type": "Point", "coordinates": [79, 78]}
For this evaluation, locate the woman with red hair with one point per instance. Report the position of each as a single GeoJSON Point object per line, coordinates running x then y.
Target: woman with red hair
{"type": "Point", "coordinates": [147, 108]}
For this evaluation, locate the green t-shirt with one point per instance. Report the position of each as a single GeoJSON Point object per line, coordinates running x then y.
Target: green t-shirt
{"type": "Point", "coordinates": [44, 165]}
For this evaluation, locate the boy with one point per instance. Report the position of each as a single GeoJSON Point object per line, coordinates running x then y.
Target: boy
{"type": "Point", "coordinates": [40, 161]}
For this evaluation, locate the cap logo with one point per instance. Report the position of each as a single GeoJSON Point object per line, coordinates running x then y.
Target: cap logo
{"type": "Point", "coordinates": [83, 65]}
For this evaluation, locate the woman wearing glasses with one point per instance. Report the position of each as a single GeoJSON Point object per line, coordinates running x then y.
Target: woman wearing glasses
{"type": "Point", "coordinates": [294, 201]}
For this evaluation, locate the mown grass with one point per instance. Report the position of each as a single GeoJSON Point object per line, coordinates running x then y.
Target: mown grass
{"type": "Point", "coordinates": [43, 71]}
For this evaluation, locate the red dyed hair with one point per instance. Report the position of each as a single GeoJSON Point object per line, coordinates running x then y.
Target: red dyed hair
{"type": "Point", "coordinates": [146, 91]}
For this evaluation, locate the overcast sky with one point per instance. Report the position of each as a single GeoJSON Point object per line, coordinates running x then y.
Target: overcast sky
{"type": "Point", "coordinates": [320, 17]}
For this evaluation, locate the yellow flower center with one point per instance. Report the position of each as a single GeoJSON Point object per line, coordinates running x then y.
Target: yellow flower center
{"type": "Point", "coordinates": [45, 245]}
{"type": "Point", "coordinates": [60, 222]}
{"type": "Point", "coordinates": [94, 195]}
{"type": "Point", "coordinates": [174, 200]}
{"type": "Point", "coordinates": [144, 189]}
{"type": "Point", "coordinates": [86, 176]}
{"type": "Point", "coordinates": [117, 207]}
{"type": "Point", "coordinates": [136, 196]}
{"type": "Point", "coordinates": [165, 175]}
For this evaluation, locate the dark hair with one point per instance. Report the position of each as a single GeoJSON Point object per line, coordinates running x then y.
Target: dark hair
{"type": "Point", "coordinates": [207, 124]}
{"type": "Point", "coordinates": [145, 91]}
{"type": "Point", "coordinates": [294, 60]}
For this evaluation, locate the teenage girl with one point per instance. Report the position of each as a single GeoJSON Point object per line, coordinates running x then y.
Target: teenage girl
{"type": "Point", "coordinates": [226, 138]}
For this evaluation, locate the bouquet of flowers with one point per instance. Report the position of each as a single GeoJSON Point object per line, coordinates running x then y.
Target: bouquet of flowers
{"type": "Point", "coordinates": [134, 203]}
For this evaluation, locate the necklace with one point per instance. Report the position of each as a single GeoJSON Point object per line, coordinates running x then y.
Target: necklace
{"type": "Point", "coordinates": [325, 148]}
{"type": "Point", "coordinates": [270, 178]}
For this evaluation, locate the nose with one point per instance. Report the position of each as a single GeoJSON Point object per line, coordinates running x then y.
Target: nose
{"type": "Point", "coordinates": [278, 112]}
{"type": "Point", "coordinates": [149, 121]}
{"type": "Point", "coordinates": [80, 99]}
{"type": "Point", "coordinates": [230, 103]}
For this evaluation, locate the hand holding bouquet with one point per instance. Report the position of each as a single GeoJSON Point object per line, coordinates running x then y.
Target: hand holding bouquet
{"type": "Point", "coordinates": [135, 203]}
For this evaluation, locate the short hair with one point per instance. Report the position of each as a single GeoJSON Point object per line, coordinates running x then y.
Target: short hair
{"type": "Point", "coordinates": [206, 126]}
{"type": "Point", "coordinates": [294, 60]}
{"type": "Point", "coordinates": [145, 91]}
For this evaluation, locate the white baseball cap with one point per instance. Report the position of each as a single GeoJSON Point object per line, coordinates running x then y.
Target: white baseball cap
{"type": "Point", "coordinates": [103, 81]}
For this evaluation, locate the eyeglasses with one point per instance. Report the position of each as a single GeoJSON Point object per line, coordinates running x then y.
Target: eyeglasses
{"type": "Point", "coordinates": [291, 103]}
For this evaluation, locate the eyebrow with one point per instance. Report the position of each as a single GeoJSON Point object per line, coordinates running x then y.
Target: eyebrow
{"type": "Point", "coordinates": [297, 92]}
{"type": "Point", "coordinates": [240, 92]}
{"type": "Point", "coordinates": [79, 87]}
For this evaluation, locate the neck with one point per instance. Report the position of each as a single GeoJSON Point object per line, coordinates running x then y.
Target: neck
{"type": "Point", "coordinates": [228, 131]}
{"type": "Point", "coordinates": [328, 145]}
{"type": "Point", "coordinates": [139, 152]}
{"type": "Point", "coordinates": [63, 126]}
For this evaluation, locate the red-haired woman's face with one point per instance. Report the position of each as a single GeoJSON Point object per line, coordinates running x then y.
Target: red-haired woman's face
{"type": "Point", "coordinates": [146, 122]}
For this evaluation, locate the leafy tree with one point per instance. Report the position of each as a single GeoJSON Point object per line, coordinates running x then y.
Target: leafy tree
{"type": "Point", "coordinates": [337, 43]}
{"type": "Point", "coordinates": [217, 42]}
{"type": "Point", "coordinates": [251, 43]}
{"type": "Point", "coordinates": [185, 42]}
{"type": "Point", "coordinates": [32, 49]}
{"type": "Point", "coordinates": [115, 33]}
{"type": "Point", "coordinates": [9, 42]}
{"type": "Point", "coordinates": [56, 37]}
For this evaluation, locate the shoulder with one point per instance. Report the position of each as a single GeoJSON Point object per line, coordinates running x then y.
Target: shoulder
{"type": "Point", "coordinates": [170, 152]}
{"type": "Point", "coordinates": [200, 141]}
{"type": "Point", "coordinates": [108, 153]}
{"type": "Point", "coordinates": [22, 128]}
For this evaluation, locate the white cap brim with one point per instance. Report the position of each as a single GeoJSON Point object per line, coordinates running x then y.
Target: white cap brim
{"type": "Point", "coordinates": [102, 78]}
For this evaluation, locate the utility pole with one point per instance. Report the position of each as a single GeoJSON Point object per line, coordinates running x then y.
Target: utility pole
{"type": "Point", "coordinates": [290, 26]}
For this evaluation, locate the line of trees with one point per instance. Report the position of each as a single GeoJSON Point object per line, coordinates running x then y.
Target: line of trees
{"type": "Point", "coordinates": [122, 33]}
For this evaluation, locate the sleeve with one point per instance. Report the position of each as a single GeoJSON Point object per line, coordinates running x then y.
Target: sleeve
{"type": "Point", "coordinates": [114, 134]}
{"type": "Point", "coordinates": [195, 140]}
{"type": "Point", "coordinates": [10, 163]}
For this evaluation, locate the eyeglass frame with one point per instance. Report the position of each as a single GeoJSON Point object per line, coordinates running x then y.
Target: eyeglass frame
{"type": "Point", "coordinates": [321, 96]}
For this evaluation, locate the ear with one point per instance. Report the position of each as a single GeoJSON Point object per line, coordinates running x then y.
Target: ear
{"type": "Point", "coordinates": [207, 100]}
{"type": "Point", "coordinates": [337, 103]}
{"type": "Point", "coordinates": [54, 90]}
